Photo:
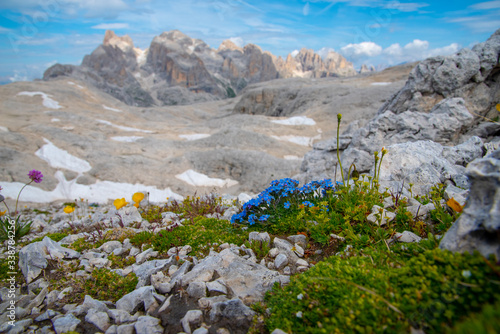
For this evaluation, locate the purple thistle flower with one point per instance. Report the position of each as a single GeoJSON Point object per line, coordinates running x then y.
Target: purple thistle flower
{"type": "Point", "coordinates": [35, 176]}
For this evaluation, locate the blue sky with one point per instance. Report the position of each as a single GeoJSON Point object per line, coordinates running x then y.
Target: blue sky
{"type": "Point", "coordinates": [34, 34]}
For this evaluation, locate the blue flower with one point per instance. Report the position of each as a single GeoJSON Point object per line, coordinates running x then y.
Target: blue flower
{"type": "Point", "coordinates": [287, 205]}
{"type": "Point", "coordinates": [264, 218]}
{"type": "Point", "coordinates": [307, 203]}
{"type": "Point", "coordinates": [251, 219]}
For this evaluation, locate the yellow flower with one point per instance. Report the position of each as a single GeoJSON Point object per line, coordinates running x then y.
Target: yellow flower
{"type": "Point", "coordinates": [137, 197]}
{"type": "Point", "coordinates": [69, 209]}
{"type": "Point", "coordinates": [120, 203]}
{"type": "Point", "coordinates": [136, 205]}
{"type": "Point", "coordinates": [498, 107]}
{"type": "Point", "coordinates": [2, 213]}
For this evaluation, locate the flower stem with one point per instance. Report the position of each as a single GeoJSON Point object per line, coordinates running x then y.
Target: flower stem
{"type": "Point", "coordinates": [17, 200]}
{"type": "Point", "coordinates": [339, 118]}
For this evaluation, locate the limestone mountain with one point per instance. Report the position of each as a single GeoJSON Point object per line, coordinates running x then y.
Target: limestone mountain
{"type": "Point", "coordinates": [177, 69]}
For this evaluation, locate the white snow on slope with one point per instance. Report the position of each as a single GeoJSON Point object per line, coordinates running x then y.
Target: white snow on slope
{"type": "Point", "coordinates": [201, 180]}
{"type": "Point", "coordinates": [112, 109]}
{"type": "Point", "coordinates": [291, 157]}
{"type": "Point", "coordinates": [124, 128]}
{"type": "Point", "coordinates": [303, 141]}
{"type": "Point", "coordinates": [74, 84]}
{"type": "Point", "coordinates": [195, 136]}
{"type": "Point", "coordinates": [296, 120]}
{"type": "Point", "coordinates": [59, 158]}
{"type": "Point", "coordinates": [381, 83]}
{"type": "Point", "coordinates": [99, 192]}
{"type": "Point", "coordinates": [4, 129]}
{"type": "Point", "coordinates": [47, 101]}
{"type": "Point", "coordinates": [126, 139]}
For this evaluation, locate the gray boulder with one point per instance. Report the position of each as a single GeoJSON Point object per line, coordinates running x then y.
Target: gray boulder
{"type": "Point", "coordinates": [148, 325]}
{"type": "Point", "coordinates": [67, 323]}
{"type": "Point", "coordinates": [479, 225]}
{"type": "Point", "coordinates": [243, 278]}
{"type": "Point", "coordinates": [468, 73]}
{"type": "Point", "coordinates": [420, 163]}
{"type": "Point", "coordinates": [231, 314]}
{"type": "Point", "coordinates": [33, 257]}
{"type": "Point", "coordinates": [139, 297]}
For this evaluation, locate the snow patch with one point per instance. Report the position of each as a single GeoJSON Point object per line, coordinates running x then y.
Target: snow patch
{"type": "Point", "coordinates": [55, 120]}
{"type": "Point", "coordinates": [292, 157]}
{"type": "Point", "coordinates": [140, 56]}
{"type": "Point", "coordinates": [296, 120]}
{"type": "Point", "coordinates": [126, 139]}
{"type": "Point", "coordinates": [47, 101]}
{"type": "Point", "coordinates": [381, 83]}
{"type": "Point", "coordinates": [4, 129]}
{"type": "Point", "coordinates": [303, 141]}
{"type": "Point", "coordinates": [201, 180]}
{"type": "Point", "coordinates": [74, 84]}
{"type": "Point", "coordinates": [124, 128]}
{"type": "Point", "coordinates": [112, 109]}
{"type": "Point", "coordinates": [195, 136]}
{"type": "Point", "coordinates": [59, 158]}
{"type": "Point", "coordinates": [99, 192]}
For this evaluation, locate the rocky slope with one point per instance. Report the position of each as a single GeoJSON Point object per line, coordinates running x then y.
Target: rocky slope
{"type": "Point", "coordinates": [177, 69]}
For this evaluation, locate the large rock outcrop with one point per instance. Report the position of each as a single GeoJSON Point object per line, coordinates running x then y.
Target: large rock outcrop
{"type": "Point", "coordinates": [478, 228]}
{"type": "Point", "coordinates": [442, 102]}
{"type": "Point", "coordinates": [470, 73]}
{"type": "Point", "coordinates": [177, 69]}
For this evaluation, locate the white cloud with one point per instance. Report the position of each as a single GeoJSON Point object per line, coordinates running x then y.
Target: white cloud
{"type": "Point", "coordinates": [486, 5]}
{"type": "Point", "coordinates": [4, 30]}
{"type": "Point", "coordinates": [415, 50]}
{"type": "Point", "coordinates": [484, 23]}
{"type": "Point", "coordinates": [111, 26]}
{"type": "Point", "coordinates": [364, 49]}
{"type": "Point", "coordinates": [238, 41]}
{"type": "Point", "coordinates": [323, 52]}
{"type": "Point", "coordinates": [306, 9]}
{"type": "Point", "coordinates": [392, 5]}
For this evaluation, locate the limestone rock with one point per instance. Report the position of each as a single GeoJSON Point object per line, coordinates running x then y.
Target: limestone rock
{"type": "Point", "coordinates": [67, 323]}
{"type": "Point", "coordinates": [479, 224]}
{"type": "Point", "coordinates": [33, 257]}
{"type": "Point", "coordinates": [468, 73]}
{"type": "Point", "coordinates": [407, 236]}
{"type": "Point", "coordinates": [131, 301]}
{"type": "Point", "coordinates": [98, 319]}
{"type": "Point", "coordinates": [192, 319]}
{"type": "Point", "coordinates": [245, 279]}
{"type": "Point", "coordinates": [148, 325]}
{"type": "Point", "coordinates": [420, 163]}
{"type": "Point", "coordinates": [233, 312]}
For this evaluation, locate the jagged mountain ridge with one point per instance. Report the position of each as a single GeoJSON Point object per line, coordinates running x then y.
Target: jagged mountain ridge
{"type": "Point", "coordinates": [177, 69]}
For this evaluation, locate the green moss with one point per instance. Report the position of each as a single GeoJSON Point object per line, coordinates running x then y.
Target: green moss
{"type": "Point", "coordinates": [202, 234]}
{"type": "Point", "coordinates": [107, 285]}
{"type": "Point", "coordinates": [487, 322]}
{"type": "Point", "coordinates": [54, 236]}
{"type": "Point", "coordinates": [383, 293]}
{"type": "Point", "coordinates": [121, 261]}
{"type": "Point", "coordinates": [82, 244]}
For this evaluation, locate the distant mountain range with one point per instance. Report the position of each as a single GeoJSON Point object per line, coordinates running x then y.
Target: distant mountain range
{"type": "Point", "coordinates": [177, 69]}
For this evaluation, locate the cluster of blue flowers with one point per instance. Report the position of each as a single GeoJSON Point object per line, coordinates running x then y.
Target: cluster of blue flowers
{"type": "Point", "coordinates": [279, 194]}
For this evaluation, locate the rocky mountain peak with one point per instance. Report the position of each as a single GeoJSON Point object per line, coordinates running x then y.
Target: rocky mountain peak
{"type": "Point", "coordinates": [178, 69]}
{"type": "Point", "coordinates": [366, 69]}
{"type": "Point", "coordinates": [124, 43]}
{"type": "Point", "coordinates": [229, 45]}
